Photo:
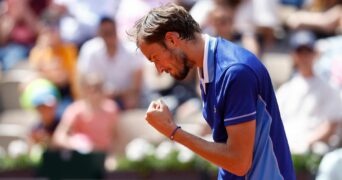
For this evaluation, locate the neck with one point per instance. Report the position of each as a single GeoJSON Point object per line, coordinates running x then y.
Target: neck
{"type": "Point", "coordinates": [307, 73]}
{"type": "Point", "coordinates": [111, 50]}
{"type": "Point", "coordinates": [195, 50]}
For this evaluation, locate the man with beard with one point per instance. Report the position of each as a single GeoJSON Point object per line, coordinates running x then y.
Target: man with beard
{"type": "Point", "coordinates": [239, 103]}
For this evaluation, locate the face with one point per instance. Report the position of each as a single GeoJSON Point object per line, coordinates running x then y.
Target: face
{"type": "Point", "coordinates": [107, 32]}
{"type": "Point", "coordinates": [222, 20]}
{"type": "Point", "coordinates": [173, 61]}
{"type": "Point", "coordinates": [93, 92]}
{"type": "Point", "coordinates": [304, 56]}
{"type": "Point", "coordinates": [47, 113]}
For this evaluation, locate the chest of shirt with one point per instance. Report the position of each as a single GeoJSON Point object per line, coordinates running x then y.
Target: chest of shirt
{"type": "Point", "coordinates": [211, 113]}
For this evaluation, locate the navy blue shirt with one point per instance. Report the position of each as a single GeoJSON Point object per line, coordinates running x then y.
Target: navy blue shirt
{"type": "Point", "coordinates": [237, 88]}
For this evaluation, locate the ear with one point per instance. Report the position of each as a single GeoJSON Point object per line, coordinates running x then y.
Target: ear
{"type": "Point", "coordinates": [172, 39]}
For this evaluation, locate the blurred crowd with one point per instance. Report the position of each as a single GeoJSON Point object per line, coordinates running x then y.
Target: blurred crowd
{"type": "Point", "coordinates": [84, 76]}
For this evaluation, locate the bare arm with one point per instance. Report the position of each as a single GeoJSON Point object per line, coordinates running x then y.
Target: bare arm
{"type": "Point", "coordinates": [323, 132]}
{"type": "Point", "coordinates": [234, 156]}
{"type": "Point", "coordinates": [324, 21]}
{"type": "Point", "coordinates": [61, 134]}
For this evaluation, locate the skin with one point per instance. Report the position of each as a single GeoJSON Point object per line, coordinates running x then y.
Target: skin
{"type": "Point", "coordinates": [236, 154]}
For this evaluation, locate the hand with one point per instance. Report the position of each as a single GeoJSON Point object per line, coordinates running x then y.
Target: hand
{"type": "Point", "coordinates": [159, 116]}
{"type": "Point", "coordinates": [40, 136]}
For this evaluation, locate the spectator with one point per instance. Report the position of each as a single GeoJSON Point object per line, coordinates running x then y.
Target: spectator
{"type": "Point", "coordinates": [329, 65]}
{"type": "Point", "coordinates": [330, 166]}
{"type": "Point", "coordinates": [19, 26]}
{"type": "Point", "coordinates": [56, 61]}
{"type": "Point", "coordinates": [121, 70]}
{"type": "Point", "coordinates": [42, 96]}
{"type": "Point", "coordinates": [310, 107]}
{"type": "Point", "coordinates": [220, 17]}
{"type": "Point", "coordinates": [89, 124]}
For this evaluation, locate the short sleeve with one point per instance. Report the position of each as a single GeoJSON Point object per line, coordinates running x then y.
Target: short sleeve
{"type": "Point", "coordinates": [71, 115]}
{"type": "Point", "coordinates": [238, 95]}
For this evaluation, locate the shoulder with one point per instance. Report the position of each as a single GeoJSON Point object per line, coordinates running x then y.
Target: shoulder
{"type": "Point", "coordinates": [110, 106]}
{"type": "Point", "coordinates": [93, 44]}
{"type": "Point", "coordinates": [75, 108]}
{"type": "Point", "coordinates": [237, 71]}
{"type": "Point", "coordinates": [229, 53]}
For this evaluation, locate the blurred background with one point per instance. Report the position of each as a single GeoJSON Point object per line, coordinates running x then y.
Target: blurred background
{"type": "Point", "coordinates": [74, 89]}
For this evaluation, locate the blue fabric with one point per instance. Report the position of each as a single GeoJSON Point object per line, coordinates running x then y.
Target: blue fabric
{"type": "Point", "coordinates": [295, 3]}
{"type": "Point", "coordinates": [12, 54]}
{"type": "Point", "coordinates": [240, 90]}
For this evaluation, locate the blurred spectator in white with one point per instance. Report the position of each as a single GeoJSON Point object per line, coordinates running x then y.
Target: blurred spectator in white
{"type": "Point", "coordinates": [310, 107]}
{"type": "Point", "coordinates": [79, 18]}
{"type": "Point", "coordinates": [42, 96]}
{"type": "Point", "coordinates": [324, 17]}
{"type": "Point", "coordinates": [330, 166]}
{"type": "Point", "coordinates": [19, 25]}
{"type": "Point", "coordinates": [56, 61]}
{"type": "Point", "coordinates": [108, 57]}
{"type": "Point", "coordinates": [329, 65]}
{"type": "Point", "coordinates": [90, 123]}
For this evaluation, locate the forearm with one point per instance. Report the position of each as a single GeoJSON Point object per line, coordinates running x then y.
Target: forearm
{"type": "Point", "coordinates": [323, 133]}
{"type": "Point", "coordinates": [235, 155]}
{"type": "Point", "coordinates": [324, 22]}
{"type": "Point", "coordinates": [61, 141]}
{"type": "Point", "coordinates": [221, 154]}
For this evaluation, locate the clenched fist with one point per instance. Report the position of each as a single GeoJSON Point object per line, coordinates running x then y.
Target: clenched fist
{"type": "Point", "coordinates": [159, 116]}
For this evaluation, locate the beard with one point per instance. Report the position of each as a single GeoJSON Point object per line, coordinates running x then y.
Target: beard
{"type": "Point", "coordinates": [185, 65]}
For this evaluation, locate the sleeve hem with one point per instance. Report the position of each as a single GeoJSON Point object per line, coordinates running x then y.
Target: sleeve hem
{"type": "Point", "coordinates": [240, 120]}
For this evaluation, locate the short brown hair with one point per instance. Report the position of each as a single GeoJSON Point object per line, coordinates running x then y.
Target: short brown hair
{"type": "Point", "coordinates": [168, 18]}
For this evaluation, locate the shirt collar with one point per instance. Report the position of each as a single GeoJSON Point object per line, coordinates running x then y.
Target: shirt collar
{"type": "Point", "coordinates": [208, 60]}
